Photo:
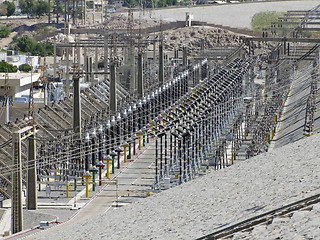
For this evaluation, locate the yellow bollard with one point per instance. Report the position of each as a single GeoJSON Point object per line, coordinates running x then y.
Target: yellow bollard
{"type": "Point", "coordinates": [272, 131]}
{"type": "Point", "coordinates": [87, 175]}
{"type": "Point", "coordinates": [108, 159]}
{"type": "Point", "coordinates": [87, 186]}
{"type": "Point", "coordinates": [125, 145]}
{"type": "Point", "coordinates": [232, 158]}
{"type": "Point", "coordinates": [67, 190]}
{"type": "Point", "coordinates": [108, 168]}
{"type": "Point", "coordinates": [148, 194]}
{"type": "Point", "coordinates": [139, 143]}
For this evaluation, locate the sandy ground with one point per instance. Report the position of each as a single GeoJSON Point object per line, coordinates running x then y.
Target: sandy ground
{"type": "Point", "coordinates": [219, 199]}
{"type": "Point", "coordinates": [233, 15]}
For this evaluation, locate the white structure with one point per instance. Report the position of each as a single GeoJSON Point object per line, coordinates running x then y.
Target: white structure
{"type": "Point", "coordinates": [19, 84]}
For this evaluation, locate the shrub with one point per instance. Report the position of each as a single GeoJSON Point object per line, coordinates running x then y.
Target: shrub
{"type": "Point", "coordinates": [11, 68]}
{"type": "Point", "coordinates": [26, 44]}
{"type": "Point", "coordinates": [4, 32]}
{"type": "Point", "coordinates": [25, 68]}
{"type": "Point", "coordinates": [263, 20]}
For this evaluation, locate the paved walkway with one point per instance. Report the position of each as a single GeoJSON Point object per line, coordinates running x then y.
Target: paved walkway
{"type": "Point", "coordinates": [291, 125]}
{"type": "Point", "coordinates": [134, 178]}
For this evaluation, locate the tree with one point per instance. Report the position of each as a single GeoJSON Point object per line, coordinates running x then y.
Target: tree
{"type": "Point", "coordinates": [4, 32]}
{"type": "Point", "coordinates": [25, 68]}
{"type": "Point", "coordinates": [42, 8]}
{"type": "Point", "coordinates": [11, 8]}
{"type": "Point", "coordinates": [58, 10]}
{"type": "Point", "coordinates": [28, 7]}
{"type": "Point", "coordinates": [263, 20]}
{"type": "Point", "coordinates": [130, 3]}
{"type": "Point", "coordinates": [4, 67]}
{"type": "Point", "coordinates": [162, 3]}
{"type": "Point", "coordinates": [26, 44]}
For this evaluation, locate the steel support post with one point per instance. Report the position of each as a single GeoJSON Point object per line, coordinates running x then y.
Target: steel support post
{"type": "Point", "coordinates": [132, 84]}
{"type": "Point", "coordinates": [161, 65]}
{"type": "Point", "coordinates": [16, 198]}
{"type": "Point", "coordinates": [180, 160]}
{"type": "Point", "coordinates": [67, 72]}
{"type": "Point", "coordinates": [185, 56]}
{"type": "Point", "coordinates": [76, 107]}
{"type": "Point", "coordinates": [140, 92]}
{"type": "Point", "coordinates": [91, 78]}
{"type": "Point", "coordinates": [54, 60]}
{"type": "Point", "coordinates": [7, 111]}
{"type": "Point", "coordinates": [32, 175]}
{"type": "Point", "coordinates": [96, 59]}
{"type": "Point", "coordinates": [105, 53]}
{"type": "Point", "coordinates": [113, 83]}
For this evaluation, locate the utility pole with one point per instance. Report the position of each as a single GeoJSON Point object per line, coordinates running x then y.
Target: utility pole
{"type": "Point", "coordinates": [32, 174]}
{"type": "Point", "coordinates": [113, 84]}
{"type": "Point", "coordinates": [161, 64]}
{"type": "Point", "coordinates": [140, 76]}
{"type": "Point", "coordinates": [16, 198]}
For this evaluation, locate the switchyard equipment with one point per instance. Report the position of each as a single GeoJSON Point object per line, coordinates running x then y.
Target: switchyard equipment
{"type": "Point", "coordinates": [203, 115]}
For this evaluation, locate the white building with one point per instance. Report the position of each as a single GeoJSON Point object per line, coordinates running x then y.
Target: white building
{"type": "Point", "coordinates": [18, 84]}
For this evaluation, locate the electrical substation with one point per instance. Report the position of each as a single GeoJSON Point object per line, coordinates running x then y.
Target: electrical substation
{"type": "Point", "coordinates": [181, 111]}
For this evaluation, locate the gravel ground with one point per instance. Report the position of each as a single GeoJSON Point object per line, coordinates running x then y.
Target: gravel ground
{"type": "Point", "coordinates": [220, 198]}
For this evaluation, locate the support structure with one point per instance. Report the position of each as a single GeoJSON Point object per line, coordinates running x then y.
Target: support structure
{"type": "Point", "coordinates": [140, 92]}
{"type": "Point", "coordinates": [161, 64]}
{"type": "Point", "coordinates": [113, 84]}
{"type": "Point", "coordinates": [16, 198]}
{"type": "Point", "coordinates": [32, 175]}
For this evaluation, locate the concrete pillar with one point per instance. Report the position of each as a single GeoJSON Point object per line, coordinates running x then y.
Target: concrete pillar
{"type": "Point", "coordinates": [76, 106]}
{"type": "Point", "coordinates": [94, 8]}
{"type": "Point", "coordinates": [96, 59]}
{"type": "Point", "coordinates": [78, 55]}
{"type": "Point", "coordinates": [140, 76]}
{"type": "Point", "coordinates": [16, 197]}
{"type": "Point", "coordinates": [105, 57]}
{"type": "Point", "coordinates": [132, 67]}
{"type": "Point", "coordinates": [32, 175]}
{"type": "Point", "coordinates": [67, 72]}
{"type": "Point", "coordinates": [161, 64]}
{"type": "Point", "coordinates": [85, 62]}
{"type": "Point", "coordinates": [113, 86]}
{"type": "Point", "coordinates": [54, 60]}
{"type": "Point", "coordinates": [7, 116]}
{"type": "Point", "coordinates": [87, 65]}
{"type": "Point", "coordinates": [154, 51]}
{"type": "Point", "coordinates": [45, 94]}
{"type": "Point", "coordinates": [84, 12]}
{"type": "Point", "coordinates": [185, 56]}
{"type": "Point", "coordinates": [91, 71]}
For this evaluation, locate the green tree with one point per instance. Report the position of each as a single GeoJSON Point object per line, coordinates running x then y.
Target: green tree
{"type": "Point", "coordinates": [25, 68]}
{"type": "Point", "coordinates": [162, 3]}
{"type": "Point", "coordinates": [4, 32]}
{"type": "Point", "coordinates": [28, 7]}
{"type": "Point", "coordinates": [58, 10]}
{"type": "Point", "coordinates": [38, 49]}
{"type": "Point", "coordinates": [130, 3]}
{"type": "Point", "coordinates": [26, 44]}
{"type": "Point", "coordinates": [263, 20]}
{"type": "Point", "coordinates": [42, 8]}
{"type": "Point", "coordinates": [11, 68]}
{"type": "Point", "coordinates": [11, 8]}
